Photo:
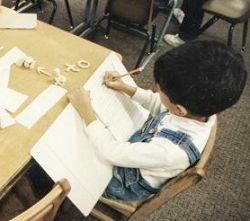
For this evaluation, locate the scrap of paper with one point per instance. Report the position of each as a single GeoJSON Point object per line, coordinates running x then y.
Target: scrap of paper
{"type": "Point", "coordinates": [48, 98]}
{"type": "Point", "coordinates": [4, 77]}
{"type": "Point", "coordinates": [18, 21]}
{"type": "Point", "coordinates": [5, 119]}
{"type": "Point", "coordinates": [11, 57]}
{"type": "Point", "coordinates": [11, 100]}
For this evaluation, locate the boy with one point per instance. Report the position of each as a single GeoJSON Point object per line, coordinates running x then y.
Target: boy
{"type": "Point", "coordinates": [195, 81]}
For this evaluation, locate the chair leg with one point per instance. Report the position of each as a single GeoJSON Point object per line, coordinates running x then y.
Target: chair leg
{"type": "Point", "coordinates": [39, 3]}
{"type": "Point", "coordinates": [208, 24]}
{"type": "Point", "coordinates": [143, 51]}
{"type": "Point", "coordinates": [244, 37]}
{"type": "Point", "coordinates": [16, 4]}
{"type": "Point", "coordinates": [108, 28]}
{"type": "Point", "coordinates": [230, 35]}
{"type": "Point", "coordinates": [69, 13]}
{"type": "Point", "coordinates": [152, 43]}
{"type": "Point", "coordinates": [53, 11]}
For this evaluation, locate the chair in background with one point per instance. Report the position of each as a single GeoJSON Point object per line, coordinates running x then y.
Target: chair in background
{"type": "Point", "coordinates": [233, 11]}
{"type": "Point", "coordinates": [133, 16]}
{"type": "Point", "coordinates": [139, 210]}
{"type": "Point", "coordinates": [22, 6]}
{"type": "Point", "coordinates": [46, 208]}
{"type": "Point", "coordinates": [136, 17]}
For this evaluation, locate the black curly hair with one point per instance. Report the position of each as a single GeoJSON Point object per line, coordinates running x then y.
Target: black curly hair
{"type": "Point", "coordinates": [206, 77]}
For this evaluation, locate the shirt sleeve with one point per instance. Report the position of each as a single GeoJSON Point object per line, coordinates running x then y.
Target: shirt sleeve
{"type": "Point", "coordinates": [135, 155]}
{"type": "Point", "coordinates": [149, 100]}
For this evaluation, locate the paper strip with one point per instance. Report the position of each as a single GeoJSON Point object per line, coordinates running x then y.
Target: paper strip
{"type": "Point", "coordinates": [5, 119]}
{"type": "Point", "coordinates": [40, 105]}
{"type": "Point", "coordinates": [4, 77]}
{"type": "Point", "coordinates": [11, 57]}
{"type": "Point", "coordinates": [18, 21]}
{"type": "Point", "coordinates": [11, 100]}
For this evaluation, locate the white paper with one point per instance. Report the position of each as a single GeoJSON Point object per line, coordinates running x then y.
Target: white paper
{"type": "Point", "coordinates": [18, 21]}
{"type": "Point", "coordinates": [11, 100]}
{"type": "Point", "coordinates": [4, 77]}
{"type": "Point", "coordinates": [40, 105]}
{"type": "Point", "coordinates": [122, 115]}
{"type": "Point", "coordinates": [65, 151]}
{"type": "Point", "coordinates": [5, 119]}
{"type": "Point", "coordinates": [12, 56]}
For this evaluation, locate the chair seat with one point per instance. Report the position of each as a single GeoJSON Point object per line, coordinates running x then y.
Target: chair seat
{"type": "Point", "coordinates": [125, 207]}
{"type": "Point", "coordinates": [233, 10]}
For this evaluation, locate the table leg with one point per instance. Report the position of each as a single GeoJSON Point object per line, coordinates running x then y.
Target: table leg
{"type": "Point", "coordinates": [89, 22]}
{"type": "Point", "coordinates": [166, 24]}
{"type": "Point", "coordinates": [26, 6]}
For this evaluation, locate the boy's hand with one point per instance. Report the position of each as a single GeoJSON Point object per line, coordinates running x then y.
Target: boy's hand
{"type": "Point", "coordinates": [112, 80]}
{"type": "Point", "coordinates": [80, 99]}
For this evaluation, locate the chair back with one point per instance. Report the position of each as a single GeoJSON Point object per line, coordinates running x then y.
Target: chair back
{"type": "Point", "coordinates": [131, 11]}
{"type": "Point", "coordinates": [176, 185]}
{"type": "Point", "coordinates": [238, 10]}
{"type": "Point", "coordinates": [46, 208]}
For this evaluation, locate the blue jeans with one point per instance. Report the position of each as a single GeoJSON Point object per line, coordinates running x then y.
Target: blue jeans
{"type": "Point", "coordinates": [127, 183]}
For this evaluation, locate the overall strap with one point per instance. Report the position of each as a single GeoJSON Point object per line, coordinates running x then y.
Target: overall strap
{"type": "Point", "coordinates": [184, 141]}
{"type": "Point", "coordinates": [153, 122]}
{"type": "Point", "coordinates": [148, 129]}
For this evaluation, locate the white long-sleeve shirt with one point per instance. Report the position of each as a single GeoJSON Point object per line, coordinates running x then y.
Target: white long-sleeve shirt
{"type": "Point", "coordinates": [160, 159]}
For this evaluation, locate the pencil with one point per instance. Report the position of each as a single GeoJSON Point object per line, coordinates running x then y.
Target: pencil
{"type": "Point", "coordinates": [128, 73]}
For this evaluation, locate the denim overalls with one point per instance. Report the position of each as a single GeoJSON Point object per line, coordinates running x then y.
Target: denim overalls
{"type": "Point", "coordinates": [127, 183]}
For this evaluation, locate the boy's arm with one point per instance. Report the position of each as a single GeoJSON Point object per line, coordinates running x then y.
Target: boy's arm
{"type": "Point", "coordinates": [158, 153]}
{"type": "Point", "coordinates": [149, 100]}
{"type": "Point", "coordinates": [81, 102]}
{"type": "Point", "coordinates": [112, 80]}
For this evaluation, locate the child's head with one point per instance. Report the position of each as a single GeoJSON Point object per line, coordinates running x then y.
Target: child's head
{"type": "Point", "coordinates": [205, 77]}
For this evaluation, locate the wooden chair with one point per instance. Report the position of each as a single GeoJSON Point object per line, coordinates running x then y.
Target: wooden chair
{"type": "Point", "coordinates": [46, 208]}
{"type": "Point", "coordinates": [233, 11]}
{"type": "Point", "coordinates": [138, 210]}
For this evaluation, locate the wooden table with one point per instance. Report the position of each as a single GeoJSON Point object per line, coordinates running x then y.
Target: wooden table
{"type": "Point", "coordinates": [51, 48]}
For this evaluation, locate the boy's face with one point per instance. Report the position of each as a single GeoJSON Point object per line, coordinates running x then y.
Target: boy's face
{"type": "Point", "coordinates": [176, 109]}
{"type": "Point", "coordinates": [166, 101]}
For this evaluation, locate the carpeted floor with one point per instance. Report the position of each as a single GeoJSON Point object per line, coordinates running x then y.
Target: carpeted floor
{"type": "Point", "coordinates": [224, 193]}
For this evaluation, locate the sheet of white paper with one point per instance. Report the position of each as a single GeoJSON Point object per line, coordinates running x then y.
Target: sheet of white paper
{"type": "Point", "coordinates": [5, 119]}
{"type": "Point", "coordinates": [65, 151]}
{"type": "Point", "coordinates": [4, 77]}
{"type": "Point", "coordinates": [11, 100]}
{"type": "Point", "coordinates": [18, 21]}
{"type": "Point", "coordinates": [40, 105]}
{"type": "Point", "coordinates": [11, 57]}
{"type": "Point", "coordinates": [122, 115]}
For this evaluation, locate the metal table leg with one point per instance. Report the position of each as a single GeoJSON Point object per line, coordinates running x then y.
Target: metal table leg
{"type": "Point", "coordinates": [161, 34]}
{"type": "Point", "coordinates": [166, 24]}
{"type": "Point", "coordinates": [89, 22]}
{"type": "Point", "coordinates": [69, 13]}
{"type": "Point", "coordinates": [26, 5]}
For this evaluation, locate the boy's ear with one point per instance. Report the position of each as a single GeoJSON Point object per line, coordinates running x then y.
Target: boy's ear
{"type": "Point", "coordinates": [180, 110]}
